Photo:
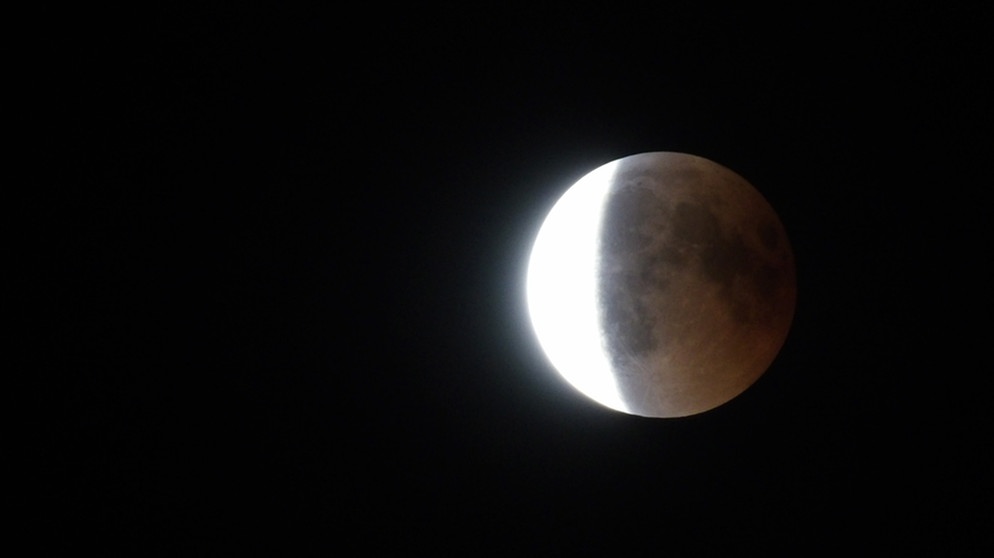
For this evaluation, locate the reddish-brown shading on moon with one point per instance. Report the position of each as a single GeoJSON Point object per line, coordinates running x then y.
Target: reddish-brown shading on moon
{"type": "Point", "coordinates": [696, 283]}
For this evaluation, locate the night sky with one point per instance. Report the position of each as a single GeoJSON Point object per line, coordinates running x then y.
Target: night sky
{"type": "Point", "coordinates": [283, 277]}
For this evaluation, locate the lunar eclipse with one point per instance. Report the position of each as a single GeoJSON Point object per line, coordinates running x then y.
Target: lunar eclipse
{"type": "Point", "coordinates": [662, 285]}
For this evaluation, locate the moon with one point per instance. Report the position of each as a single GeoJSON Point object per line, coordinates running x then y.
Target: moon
{"type": "Point", "coordinates": [661, 284]}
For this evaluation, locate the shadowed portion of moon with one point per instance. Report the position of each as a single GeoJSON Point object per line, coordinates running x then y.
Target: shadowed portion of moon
{"type": "Point", "coordinates": [696, 283]}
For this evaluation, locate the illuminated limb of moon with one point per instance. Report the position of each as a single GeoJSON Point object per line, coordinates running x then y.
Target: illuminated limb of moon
{"type": "Point", "coordinates": [562, 289]}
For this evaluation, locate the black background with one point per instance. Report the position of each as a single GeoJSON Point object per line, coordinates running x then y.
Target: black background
{"type": "Point", "coordinates": [283, 269]}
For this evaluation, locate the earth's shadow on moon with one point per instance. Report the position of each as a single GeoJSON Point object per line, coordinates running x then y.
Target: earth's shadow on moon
{"type": "Point", "coordinates": [696, 283]}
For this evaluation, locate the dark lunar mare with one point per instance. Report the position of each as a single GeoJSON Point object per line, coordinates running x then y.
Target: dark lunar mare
{"type": "Point", "coordinates": [626, 269]}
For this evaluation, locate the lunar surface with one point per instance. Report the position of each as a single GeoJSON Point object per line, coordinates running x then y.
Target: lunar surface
{"type": "Point", "coordinates": [662, 285]}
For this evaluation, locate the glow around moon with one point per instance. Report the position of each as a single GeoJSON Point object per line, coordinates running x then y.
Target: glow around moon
{"type": "Point", "coordinates": [661, 284]}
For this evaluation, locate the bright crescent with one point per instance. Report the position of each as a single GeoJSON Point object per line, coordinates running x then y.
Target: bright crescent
{"type": "Point", "coordinates": [562, 289]}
